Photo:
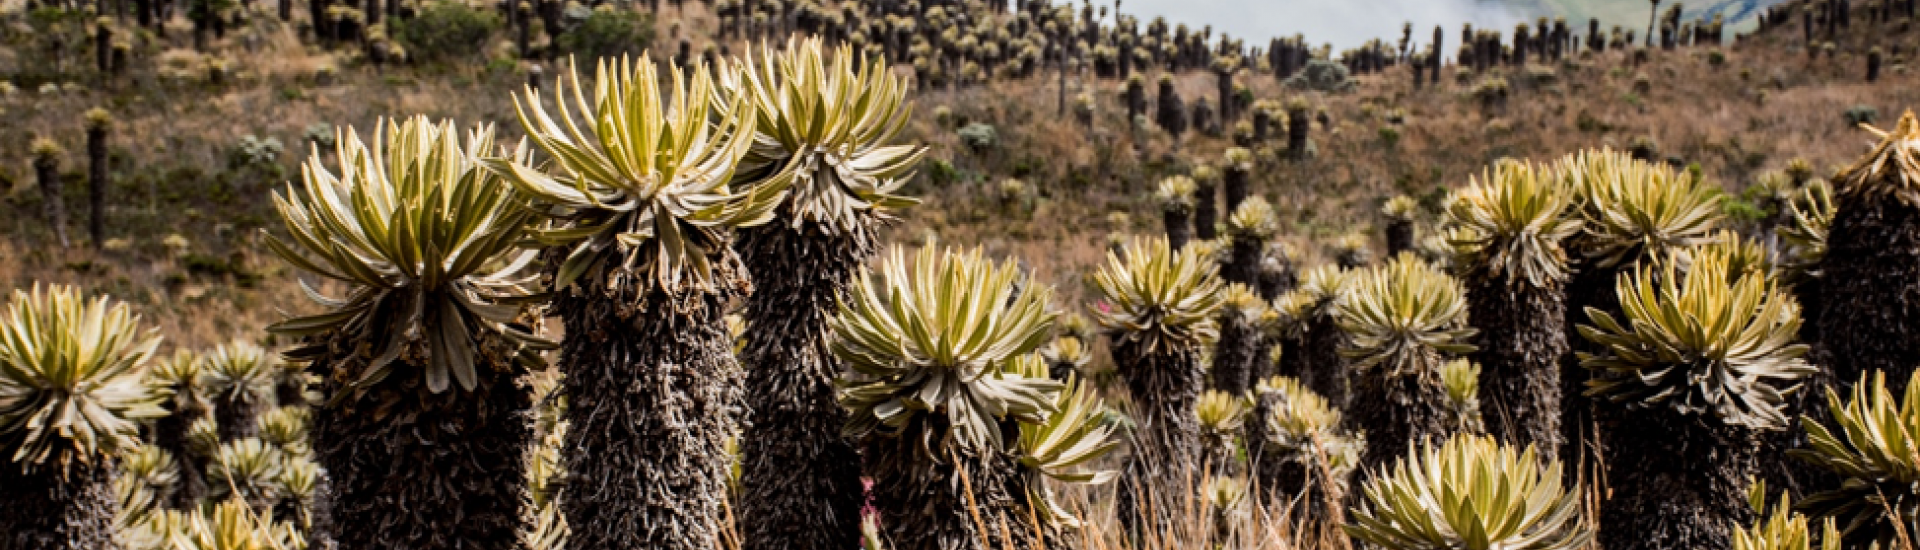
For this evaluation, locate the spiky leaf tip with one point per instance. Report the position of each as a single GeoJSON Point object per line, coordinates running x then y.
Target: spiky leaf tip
{"type": "Point", "coordinates": [1063, 447]}
{"type": "Point", "coordinates": [1891, 169]}
{"type": "Point", "coordinates": [70, 378]}
{"type": "Point", "coordinates": [1254, 219]}
{"type": "Point", "coordinates": [239, 370]}
{"type": "Point", "coordinates": [428, 244]}
{"type": "Point", "coordinates": [1159, 296]}
{"type": "Point", "coordinates": [1221, 412]}
{"type": "Point", "coordinates": [1403, 316]}
{"type": "Point", "coordinates": [1400, 208]}
{"type": "Point", "coordinates": [1872, 447]}
{"type": "Point", "coordinates": [1637, 211]}
{"type": "Point", "coordinates": [1512, 222]}
{"type": "Point", "coordinates": [1176, 193]}
{"type": "Point", "coordinates": [1805, 236]}
{"type": "Point", "coordinates": [935, 335]}
{"type": "Point", "coordinates": [640, 195]}
{"type": "Point", "coordinates": [829, 121]}
{"type": "Point", "coordinates": [1699, 342]}
{"type": "Point", "coordinates": [1472, 493]}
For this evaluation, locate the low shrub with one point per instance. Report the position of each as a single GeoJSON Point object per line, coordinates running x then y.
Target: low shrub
{"type": "Point", "coordinates": [608, 32]}
{"type": "Point", "coordinates": [445, 30]}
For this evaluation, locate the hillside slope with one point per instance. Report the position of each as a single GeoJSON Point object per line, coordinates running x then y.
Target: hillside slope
{"type": "Point", "coordinates": [194, 168]}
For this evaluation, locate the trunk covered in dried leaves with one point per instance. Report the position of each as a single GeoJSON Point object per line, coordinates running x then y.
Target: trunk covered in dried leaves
{"type": "Point", "coordinates": [1164, 383]}
{"type": "Point", "coordinates": [1522, 341]}
{"type": "Point", "coordinates": [800, 478]}
{"type": "Point", "coordinates": [1678, 482]}
{"type": "Point", "coordinates": [1870, 307]}
{"type": "Point", "coordinates": [1234, 358]}
{"type": "Point", "coordinates": [1399, 237]}
{"type": "Point", "coordinates": [1323, 370]}
{"type": "Point", "coordinates": [235, 416]}
{"type": "Point", "coordinates": [653, 392]}
{"type": "Point", "coordinates": [409, 468]}
{"type": "Point", "coordinates": [1398, 413]}
{"type": "Point", "coordinates": [1580, 442]}
{"type": "Point", "coordinates": [1206, 213]}
{"type": "Point", "coordinates": [46, 509]}
{"type": "Point", "coordinates": [932, 500]}
{"type": "Point", "coordinates": [170, 433]}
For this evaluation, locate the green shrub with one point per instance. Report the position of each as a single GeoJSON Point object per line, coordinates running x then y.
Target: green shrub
{"type": "Point", "coordinates": [942, 172]}
{"type": "Point", "coordinates": [1389, 136]}
{"type": "Point", "coordinates": [1861, 114]}
{"type": "Point", "coordinates": [445, 30]}
{"type": "Point", "coordinates": [254, 152]}
{"type": "Point", "coordinates": [1743, 209]}
{"type": "Point", "coordinates": [321, 134]}
{"type": "Point", "coordinates": [1323, 75]}
{"type": "Point", "coordinates": [608, 32]}
{"type": "Point", "coordinates": [979, 136]}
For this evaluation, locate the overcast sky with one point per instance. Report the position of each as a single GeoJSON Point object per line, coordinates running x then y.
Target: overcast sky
{"type": "Point", "coordinates": [1344, 23]}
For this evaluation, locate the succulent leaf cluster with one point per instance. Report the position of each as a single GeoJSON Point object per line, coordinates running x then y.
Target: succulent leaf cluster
{"type": "Point", "coordinates": [70, 379]}
{"type": "Point", "coordinates": [429, 244]}
{"type": "Point", "coordinates": [1699, 342]}
{"type": "Point", "coordinates": [1472, 493]}
{"type": "Point", "coordinates": [1160, 296]}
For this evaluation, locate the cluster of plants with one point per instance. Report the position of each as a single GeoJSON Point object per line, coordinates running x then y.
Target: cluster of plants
{"type": "Point", "coordinates": [1579, 348]}
{"type": "Point", "coordinates": [1599, 309]}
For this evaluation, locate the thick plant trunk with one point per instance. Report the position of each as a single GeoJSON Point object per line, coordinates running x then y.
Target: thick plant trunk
{"type": "Point", "coordinates": [1259, 461]}
{"type": "Point", "coordinates": [1325, 371]}
{"type": "Point", "coordinates": [1522, 342]}
{"type": "Point", "coordinates": [1297, 484]}
{"type": "Point", "coordinates": [1234, 180]}
{"type": "Point", "coordinates": [652, 397]}
{"type": "Point", "coordinates": [1293, 358]}
{"type": "Point", "coordinates": [408, 468]}
{"type": "Point", "coordinates": [317, 16]}
{"type": "Point", "coordinates": [49, 510]}
{"type": "Point", "coordinates": [925, 504]}
{"type": "Point", "coordinates": [1580, 439]}
{"type": "Point", "coordinates": [170, 433]}
{"type": "Point", "coordinates": [1164, 468]}
{"type": "Point", "coordinates": [1297, 127]}
{"type": "Point", "coordinates": [1871, 299]}
{"type": "Point", "coordinates": [1276, 275]}
{"type": "Point", "coordinates": [1400, 238]}
{"type": "Point", "coordinates": [1243, 261]}
{"type": "Point", "coordinates": [1810, 403]}
{"type": "Point", "coordinates": [1678, 482]}
{"type": "Point", "coordinates": [1179, 227]}
{"type": "Point", "coordinates": [237, 418]}
{"type": "Point", "coordinates": [47, 171]}
{"type": "Point", "coordinates": [1234, 356]}
{"type": "Point", "coordinates": [1206, 213]}
{"type": "Point", "coordinates": [1136, 102]}
{"type": "Point", "coordinates": [290, 390]}
{"type": "Point", "coordinates": [1223, 81]}
{"type": "Point", "coordinates": [800, 478]}
{"type": "Point", "coordinates": [1398, 413]}
{"type": "Point", "coordinates": [97, 178]}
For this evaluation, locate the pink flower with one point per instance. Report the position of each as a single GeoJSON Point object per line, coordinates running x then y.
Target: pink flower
{"type": "Point", "coordinates": [868, 510]}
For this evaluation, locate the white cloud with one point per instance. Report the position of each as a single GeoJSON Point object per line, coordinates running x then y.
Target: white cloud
{"type": "Point", "coordinates": [1343, 23]}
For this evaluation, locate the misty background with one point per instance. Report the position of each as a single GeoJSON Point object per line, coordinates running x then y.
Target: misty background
{"type": "Point", "coordinates": [1350, 23]}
